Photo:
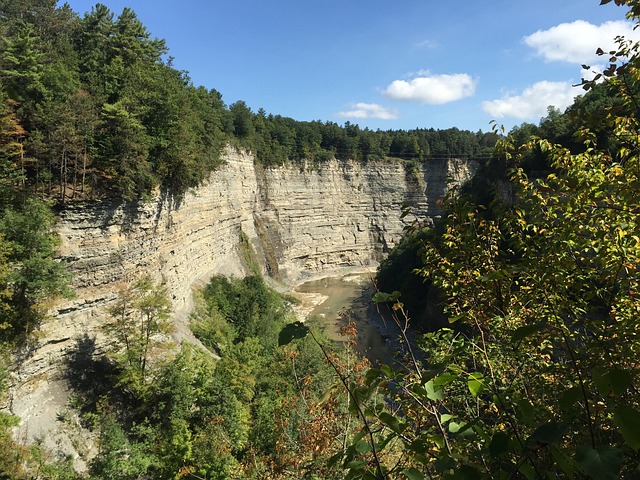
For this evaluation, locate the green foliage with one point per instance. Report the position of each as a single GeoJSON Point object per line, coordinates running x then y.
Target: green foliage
{"type": "Point", "coordinates": [123, 145]}
{"type": "Point", "coordinates": [248, 305]}
{"type": "Point", "coordinates": [21, 69]}
{"type": "Point", "coordinates": [102, 111]}
{"type": "Point", "coordinates": [542, 368]}
{"type": "Point", "coordinates": [140, 320]}
{"type": "Point", "coordinates": [539, 378]}
{"type": "Point", "coordinates": [210, 325]}
{"type": "Point", "coordinates": [398, 272]}
{"type": "Point", "coordinates": [278, 140]}
{"type": "Point", "coordinates": [141, 124]}
{"type": "Point", "coordinates": [11, 150]}
{"type": "Point", "coordinates": [254, 410]}
{"type": "Point", "coordinates": [29, 274]}
{"type": "Point", "coordinates": [120, 457]}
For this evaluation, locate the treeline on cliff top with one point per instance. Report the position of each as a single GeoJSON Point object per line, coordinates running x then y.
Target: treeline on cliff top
{"type": "Point", "coordinates": [92, 105]}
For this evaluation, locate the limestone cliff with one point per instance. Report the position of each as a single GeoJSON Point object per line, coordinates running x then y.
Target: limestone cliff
{"type": "Point", "coordinates": [302, 222]}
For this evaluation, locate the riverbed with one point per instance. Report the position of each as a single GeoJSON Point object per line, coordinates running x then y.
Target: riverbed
{"type": "Point", "coordinates": [335, 300]}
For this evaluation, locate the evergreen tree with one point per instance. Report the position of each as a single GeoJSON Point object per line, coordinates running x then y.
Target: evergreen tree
{"type": "Point", "coordinates": [35, 276]}
{"type": "Point", "coordinates": [21, 71]}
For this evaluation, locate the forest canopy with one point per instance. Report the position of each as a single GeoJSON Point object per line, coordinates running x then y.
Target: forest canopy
{"type": "Point", "coordinates": [93, 106]}
{"type": "Point", "coordinates": [536, 266]}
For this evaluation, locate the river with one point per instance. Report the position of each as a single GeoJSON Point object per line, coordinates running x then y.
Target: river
{"type": "Point", "coordinates": [333, 299]}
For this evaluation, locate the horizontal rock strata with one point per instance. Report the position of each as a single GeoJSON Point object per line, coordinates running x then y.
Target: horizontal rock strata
{"type": "Point", "coordinates": [302, 222]}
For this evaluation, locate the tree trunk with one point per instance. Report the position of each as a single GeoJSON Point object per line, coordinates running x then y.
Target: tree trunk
{"type": "Point", "coordinates": [84, 167]}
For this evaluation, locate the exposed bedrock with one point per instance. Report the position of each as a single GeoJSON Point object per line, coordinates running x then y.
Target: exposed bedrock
{"type": "Point", "coordinates": [302, 222]}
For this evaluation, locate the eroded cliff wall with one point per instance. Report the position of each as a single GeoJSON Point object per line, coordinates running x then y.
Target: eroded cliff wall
{"type": "Point", "coordinates": [301, 221]}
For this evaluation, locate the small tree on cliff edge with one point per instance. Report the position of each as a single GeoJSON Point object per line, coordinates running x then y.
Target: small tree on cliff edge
{"type": "Point", "coordinates": [141, 315]}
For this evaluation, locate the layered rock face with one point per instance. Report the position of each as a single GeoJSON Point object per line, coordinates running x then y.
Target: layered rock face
{"type": "Point", "coordinates": [302, 222]}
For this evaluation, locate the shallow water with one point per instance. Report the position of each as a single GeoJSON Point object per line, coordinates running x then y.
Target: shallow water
{"type": "Point", "coordinates": [338, 299]}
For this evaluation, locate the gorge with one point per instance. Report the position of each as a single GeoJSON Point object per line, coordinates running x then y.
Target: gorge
{"type": "Point", "coordinates": [301, 222]}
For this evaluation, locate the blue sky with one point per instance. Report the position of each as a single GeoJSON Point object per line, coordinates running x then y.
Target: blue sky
{"type": "Point", "coordinates": [386, 65]}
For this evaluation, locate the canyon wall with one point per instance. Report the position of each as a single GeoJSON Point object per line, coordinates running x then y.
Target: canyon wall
{"type": "Point", "coordinates": [302, 222]}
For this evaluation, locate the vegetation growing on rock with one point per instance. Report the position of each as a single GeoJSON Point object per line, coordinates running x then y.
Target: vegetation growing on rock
{"type": "Point", "coordinates": [536, 378]}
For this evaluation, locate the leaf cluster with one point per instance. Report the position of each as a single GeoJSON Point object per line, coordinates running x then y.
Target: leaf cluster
{"type": "Point", "coordinates": [30, 276]}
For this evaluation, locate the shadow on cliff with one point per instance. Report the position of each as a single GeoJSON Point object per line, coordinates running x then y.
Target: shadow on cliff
{"type": "Point", "coordinates": [94, 381]}
{"type": "Point", "coordinates": [86, 372]}
{"type": "Point", "coordinates": [107, 212]}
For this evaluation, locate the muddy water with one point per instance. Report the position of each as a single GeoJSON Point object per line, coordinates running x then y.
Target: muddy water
{"type": "Point", "coordinates": [335, 299]}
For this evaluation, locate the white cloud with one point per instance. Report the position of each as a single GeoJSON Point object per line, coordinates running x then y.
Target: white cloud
{"type": "Point", "coordinates": [578, 41]}
{"type": "Point", "coordinates": [368, 110]}
{"type": "Point", "coordinates": [430, 44]}
{"type": "Point", "coordinates": [432, 89]}
{"type": "Point", "coordinates": [532, 103]}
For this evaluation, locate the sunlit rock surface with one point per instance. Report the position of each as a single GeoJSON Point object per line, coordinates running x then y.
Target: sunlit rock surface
{"type": "Point", "coordinates": [302, 222]}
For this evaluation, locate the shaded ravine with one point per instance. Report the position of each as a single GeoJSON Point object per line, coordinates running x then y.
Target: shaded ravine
{"type": "Point", "coordinates": [302, 223]}
{"type": "Point", "coordinates": [336, 300]}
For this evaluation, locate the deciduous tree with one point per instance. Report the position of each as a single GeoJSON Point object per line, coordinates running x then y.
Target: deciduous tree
{"type": "Point", "coordinates": [140, 322]}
